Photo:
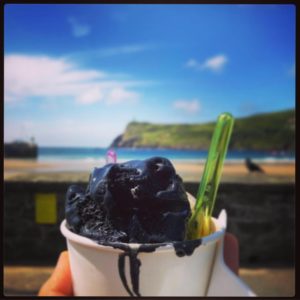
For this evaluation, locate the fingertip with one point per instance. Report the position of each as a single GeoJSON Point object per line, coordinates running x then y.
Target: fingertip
{"type": "Point", "coordinates": [232, 240]}
{"type": "Point", "coordinates": [60, 282]}
{"type": "Point", "coordinates": [63, 258]}
{"type": "Point", "coordinates": [231, 252]}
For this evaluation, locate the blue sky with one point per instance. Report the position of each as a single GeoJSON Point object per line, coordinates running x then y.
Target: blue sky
{"type": "Point", "coordinates": [75, 75]}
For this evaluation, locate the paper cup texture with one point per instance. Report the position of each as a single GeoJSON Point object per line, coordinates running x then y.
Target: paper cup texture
{"type": "Point", "coordinates": [95, 268]}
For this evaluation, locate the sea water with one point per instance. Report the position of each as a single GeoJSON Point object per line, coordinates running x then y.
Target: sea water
{"type": "Point", "coordinates": [124, 154]}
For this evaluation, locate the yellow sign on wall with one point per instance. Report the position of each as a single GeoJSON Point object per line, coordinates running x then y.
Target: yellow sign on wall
{"type": "Point", "coordinates": [45, 208]}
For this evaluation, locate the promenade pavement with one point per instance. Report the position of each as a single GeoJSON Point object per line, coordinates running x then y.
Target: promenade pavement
{"type": "Point", "coordinates": [265, 282]}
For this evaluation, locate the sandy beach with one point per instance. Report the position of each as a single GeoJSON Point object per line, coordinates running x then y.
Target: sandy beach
{"type": "Point", "coordinates": [189, 171]}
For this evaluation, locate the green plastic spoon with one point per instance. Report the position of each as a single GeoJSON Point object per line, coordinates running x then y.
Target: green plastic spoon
{"type": "Point", "coordinates": [199, 223]}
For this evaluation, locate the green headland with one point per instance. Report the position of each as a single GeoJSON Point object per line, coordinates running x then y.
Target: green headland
{"type": "Point", "coordinates": [268, 131]}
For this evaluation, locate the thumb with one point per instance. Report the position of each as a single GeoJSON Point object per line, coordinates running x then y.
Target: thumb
{"type": "Point", "coordinates": [60, 282]}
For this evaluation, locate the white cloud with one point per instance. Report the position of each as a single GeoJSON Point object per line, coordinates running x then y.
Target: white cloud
{"type": "Point", "coordinates": [119, 94]}
{"type": "Point", "coordinates": [78, 29]}
{"type": "Point", "coordinates": [215, 63]}
{"type": "Point", "coordinates": [190, 106]}
{"type": "Point", "coordinates": [26, 76]}
{"type": "Point", "coordinates": [125, 49]}
{"type": "Point", "coordinates": [97, 53]}
{"type": "Point", "coordinates": [91, 96]}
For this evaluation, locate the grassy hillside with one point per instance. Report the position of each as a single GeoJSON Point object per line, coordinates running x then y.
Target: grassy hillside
{"type": "Point", "coordinates": [270, 131]}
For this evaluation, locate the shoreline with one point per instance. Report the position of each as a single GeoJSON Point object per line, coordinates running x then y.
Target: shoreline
{"type": "Point", "coordinates": [21, 169]}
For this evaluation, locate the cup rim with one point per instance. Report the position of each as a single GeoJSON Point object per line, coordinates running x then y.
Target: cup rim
{"type": "Point", "coordinates": [167, 246]}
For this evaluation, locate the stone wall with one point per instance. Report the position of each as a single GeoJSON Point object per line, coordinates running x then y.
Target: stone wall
{"type": "Point", "coordinates": [260, 215]}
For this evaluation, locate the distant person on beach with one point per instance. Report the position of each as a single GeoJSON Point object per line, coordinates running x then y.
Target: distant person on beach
{"type": "Point", "coordinates": [253, 167]}
{"type": "Point", "coordinates": [60, 282]}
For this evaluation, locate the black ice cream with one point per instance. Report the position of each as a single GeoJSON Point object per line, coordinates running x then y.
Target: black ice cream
{"type": "Point", "coordinates": [139, 201]}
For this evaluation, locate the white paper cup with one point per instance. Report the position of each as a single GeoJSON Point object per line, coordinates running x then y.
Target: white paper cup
{"type": "Point", "coordinates": [95, 268]}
